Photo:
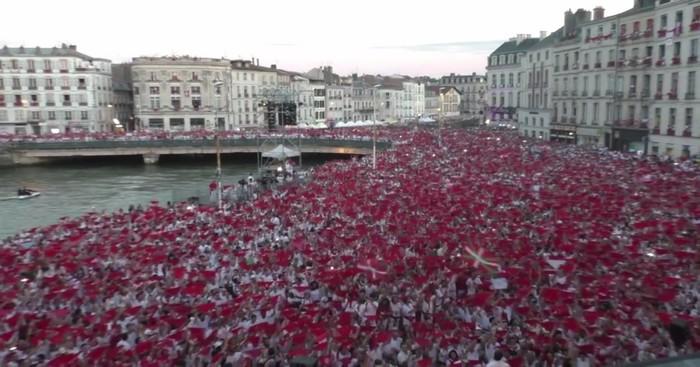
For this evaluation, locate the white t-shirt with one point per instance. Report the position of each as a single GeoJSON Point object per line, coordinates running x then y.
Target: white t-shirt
{"type": "Point", "coordinates": [497, 364]}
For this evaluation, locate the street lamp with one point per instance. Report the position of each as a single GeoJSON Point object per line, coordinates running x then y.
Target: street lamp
{"type": "Point", "coordinates": [219, 191]}
{"type": "Point", "coordinates": [442, 105]}
{"type": "Point", "coordinates": [374, 126]}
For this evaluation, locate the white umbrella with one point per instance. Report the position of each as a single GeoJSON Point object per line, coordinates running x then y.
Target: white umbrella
{"type": "Point", "coordinates": [281, 152]}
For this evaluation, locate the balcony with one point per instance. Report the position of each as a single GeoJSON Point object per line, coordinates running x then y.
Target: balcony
{"type": "Point", "coordinates": [621, 63]}
{"type": "Point", "coordinates": [692, 59]}
{"type": "Point", "coordinates": [676, 60]}
{"type": "Point", "coordinates": [586, 66]}
{"type": "Point", "coordinates": [656, 131]}
{"type": "Point", "coordinates": [572, 120]}
{"type": "Point", "coordinates": [32, 87]}
{"type": "Point", "coordinates": [2, 104]}
{"type": "Point", "coordinates": [647, 62]}
{"type": "Point", "coordinates": [34, 104]}
{"type": "Point", "coordinates": [556, 69]}
{"type": "Point", "coordinates": [623, 37]}
{"type": "Point", "coordinates": [646, 93]}
{"type": "Point", "coordinates": [687, 133]}
{"type": "Point", "coordinates": [32, 71]}
{"type": "Point", "coordinates": [695, 26]}
{"type": "Point", "coordinates": [574, 93]}
{"type": "Point", "coordinates": [565, 68]}
{"type": "Point", "coordinates": [596, 93]}
{"type": "Point", "coordinates": [673, 96]}
{"type": "Point", "coordinates": [690, 96]}
{"type": "Point", "coordinates": [661, 62]}
{"type": "Point", "coordinates": [611, 64]}
{"type": "Point", "coordinates": [16, 87]}
{"type": "Point", "coordinates": [82, 104]}
{"type": "Point", "coordinates": [48, 87]}
{"type": "Point", "coordinates": [565, 93]}
{"type": "Point", "coordinates": [50, 104]}
{"type": "Point", "coordinates": [662, 33]}
{"type": "Point", "coordinates": [633, 62]}
{"type": "Point", "coordinates": [598, 65]}
{"type": "Point", "coordinates": [65, 88]}
{"type": "Point", "coordinates": [608, 93]}
{"type": "Point", "coordinates": [18, 104]}
{"type": "Point", "coordinates": [584, 93]}
{"type": "Point", "coordinates": [635, 36]}
{"type": "Point", "coordinates": [64, 71]}
{"type": "Point", "coordinates": [658, 96]}
{"type": "Point", "coordinates": [82, 86]}
{"type": "Point", "coordinates": [632, 94]}
{"type": "Point", "coordinates": [48, 71]}
{"type": "Point", "coordinates": [67, 103]}
{"type": "Point", "coordinates": [555, 93]}
{"type": "Point", "coordinates": [670, 132]}
{"type": "Point", "coordinates": [648, 33]}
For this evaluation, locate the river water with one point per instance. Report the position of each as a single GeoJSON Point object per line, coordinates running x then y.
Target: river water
{"type": "Point", "coordinates": [71, 189]}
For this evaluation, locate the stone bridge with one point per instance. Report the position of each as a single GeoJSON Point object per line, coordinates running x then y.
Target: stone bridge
{"type": "Point", "coordinates": [22, 153]}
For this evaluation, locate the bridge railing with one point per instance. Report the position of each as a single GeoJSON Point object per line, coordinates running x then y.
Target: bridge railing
{"type": "Point", "coordinates": [194, 143]}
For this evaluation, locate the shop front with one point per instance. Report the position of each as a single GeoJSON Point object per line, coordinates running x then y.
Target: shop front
{"type": "Point", "coordinates": [563, 133]}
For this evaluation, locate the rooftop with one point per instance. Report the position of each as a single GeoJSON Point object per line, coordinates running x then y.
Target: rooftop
{"type": "Point", "coordinates": [63, 51]}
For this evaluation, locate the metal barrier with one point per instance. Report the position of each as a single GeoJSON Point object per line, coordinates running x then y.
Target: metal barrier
{"type": "Point", "coordinates": [195, 143]}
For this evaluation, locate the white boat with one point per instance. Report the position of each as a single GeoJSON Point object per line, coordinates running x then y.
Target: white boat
{"type": "Point", "coordinates": [22, 197]}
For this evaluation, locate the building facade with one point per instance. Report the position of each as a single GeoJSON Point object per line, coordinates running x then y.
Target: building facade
{"type": "Point", "coordinates": [442, 102]}
{"type": "Point", "coordinates": [472, 89]}
{"type": "Point", "coordinates": [536, 112]}
{"type": "Point", "coordinates": [626, 82]}
{"type": "Point", "coordinates": [505, 75]}
{"type": "Point", "coordinates": [181, 93]}
{"type": "Point", "coordinates": [52, 90]}
{"type": "Point", "coordinates": [252, 86]}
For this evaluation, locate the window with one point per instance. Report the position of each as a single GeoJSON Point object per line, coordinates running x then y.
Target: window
{"type": "Point", "coordinates": [36, 115]}
{"type": "Point", "coordinates": [688, 121]}
{"type": "Point", "coordinates": [694, 48]}
{"type": "Point", "coordinates": [32, 83]}
{"type": "Point", "coordinates": [68, 115]}
{"type": "Point", "coordinates": [690, 93]}
{"type": "Point", "coordinates": [64, 67]}
{"type": "Point", "coordinates": [174, 90]}
{"type": "Point", "coordinates": [659, 83]}
{"type": "Point", "coordinates": [136, 91]}
{"type": "Point", "coordinates": [2, 100]}
{"type": "Point", "coordinates": [584, 109]}
{"type": "Point", "coordinates": [657, 118]}
{"type": "Point", "coordinates": [48, 83]}
{"type": "Point", "coordinates": [155, 102]}
{"type": "Point", "coordinates": [596, 84]}
{"type": "Point", "coordinates": [175, 102]}
{"type": "Point", "coordinates": [52, 115]}
{"type": "Point", "coordinates": [677, 49]}
{"type": "Point", "coordinates": [47, 65]}
{"type": "Point", "coordinates": [154, 90]}
{"type": "Point", "coordinates": [16, 83]}
{"type": "Point", "coordinates": [153, 76]}
{"type": "Point", "coordinates": [196, 102]}
{"type": "Point", "coordinates": [196, 90]}
{"type": "Point", "coordinates": [674, 83]}
{"type": "Point", "coordinates": [672, 119]}
{"type": "Point", "coordinates": [30, 65]}
{"type": "Point", "coordinates": [83, 115]}
{"type": "Point", "coordinates": [596, 108]}
{"type": "Point", "coordinates": [664, 21]}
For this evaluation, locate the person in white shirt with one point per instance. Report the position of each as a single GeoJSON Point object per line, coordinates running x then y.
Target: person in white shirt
{"type": "Point", "coordinates": [497, 360]}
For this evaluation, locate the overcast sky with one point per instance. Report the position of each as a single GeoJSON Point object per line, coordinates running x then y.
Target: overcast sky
{"type": "Point", "coordinates": [432, 37]}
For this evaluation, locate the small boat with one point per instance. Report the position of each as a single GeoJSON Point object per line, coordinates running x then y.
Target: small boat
{"type": "Point", "coordinates": [22, 197]}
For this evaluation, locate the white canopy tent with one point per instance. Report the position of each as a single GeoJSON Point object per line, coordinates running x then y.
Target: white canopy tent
{"type": "Point", "coordinates": [281, 152]}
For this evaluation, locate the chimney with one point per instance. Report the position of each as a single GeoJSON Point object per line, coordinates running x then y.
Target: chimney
{"type": "Point", "coordinates": [273, 66]}
{"type": "Point", "coordinates": [543, 34]}
{"type": "Point", "coordinates": [73, 47]}
{"type": "Point", "coordinates": [63, 45]}
{"type": "Point", "coordinates": [598, 13]}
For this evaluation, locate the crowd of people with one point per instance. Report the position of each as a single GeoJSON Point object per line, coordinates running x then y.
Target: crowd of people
{"type": "Point", "coordinates": [478, 248]}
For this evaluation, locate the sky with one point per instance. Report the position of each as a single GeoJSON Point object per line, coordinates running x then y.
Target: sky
{"type": "Point", "coordinates": [410, 37]}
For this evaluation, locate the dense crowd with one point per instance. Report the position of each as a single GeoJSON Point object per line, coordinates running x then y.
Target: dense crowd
{"type": "Point", "coordinates": [452, 255]}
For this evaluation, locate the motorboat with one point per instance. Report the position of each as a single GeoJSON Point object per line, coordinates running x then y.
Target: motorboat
{"type": "Point", "coordinates": [22, 197]}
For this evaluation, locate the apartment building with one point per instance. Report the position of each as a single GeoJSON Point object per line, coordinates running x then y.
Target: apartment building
{"type": "Point", "coordinates": [55, 89]}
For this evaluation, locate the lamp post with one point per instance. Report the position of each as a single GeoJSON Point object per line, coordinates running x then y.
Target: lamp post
{"type": "Point", "coordinates": [442, 104]}
{"type": "Point", "coordinates": [219, 191]}
{"type": "Point", "coordinates": [374, 126]}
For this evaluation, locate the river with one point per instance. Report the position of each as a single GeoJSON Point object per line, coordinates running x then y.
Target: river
{"type": "Point", "coordinates": [73, 188]}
